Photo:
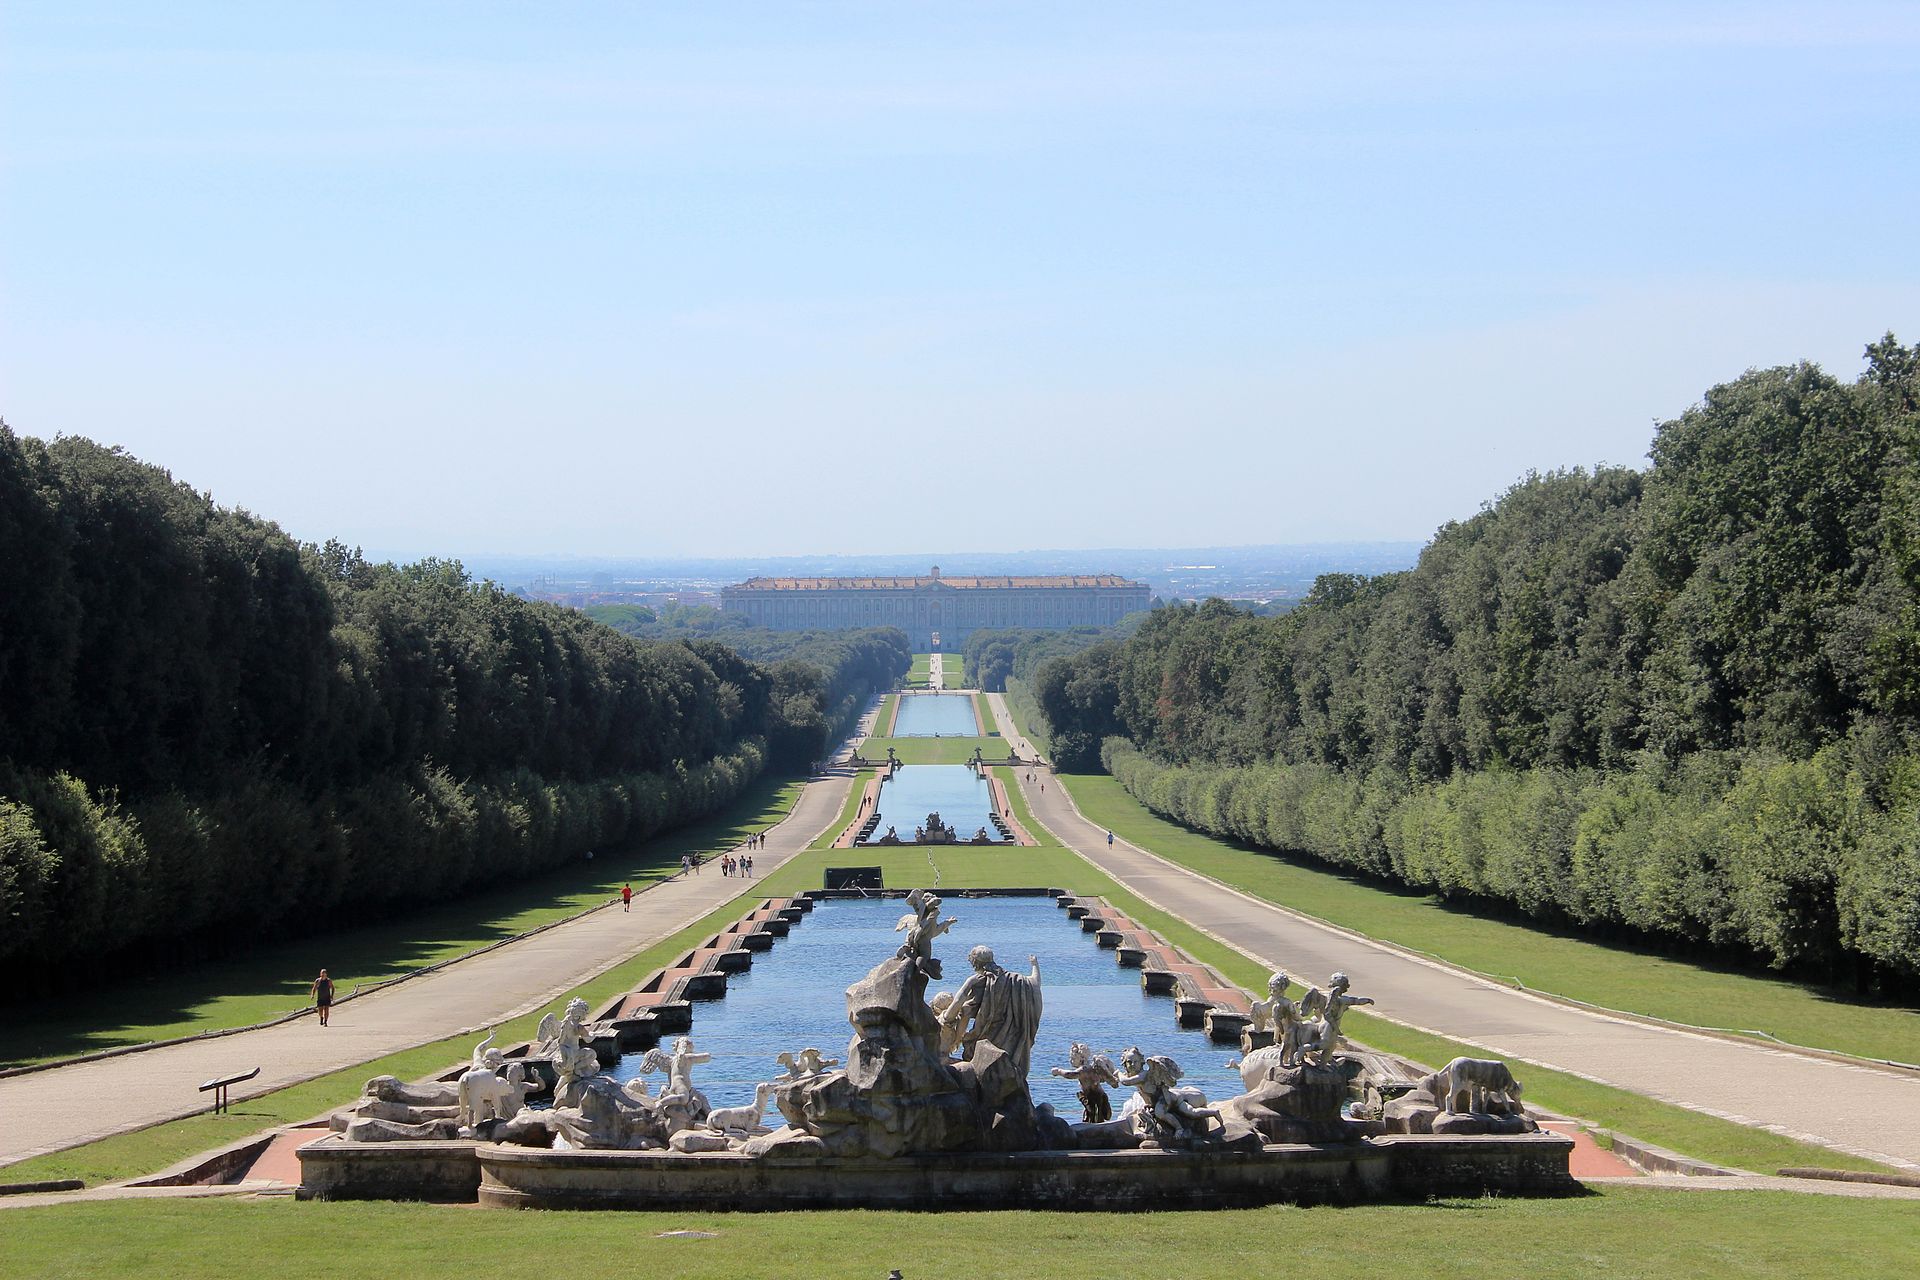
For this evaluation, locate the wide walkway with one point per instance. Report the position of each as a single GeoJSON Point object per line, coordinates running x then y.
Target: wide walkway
{"type": "Point", "coordinates": [937, 671]}
{"type": "Point", "coordinates": [1865, 1110]}
{"type": "Point", "coordinates": [66, 1106]}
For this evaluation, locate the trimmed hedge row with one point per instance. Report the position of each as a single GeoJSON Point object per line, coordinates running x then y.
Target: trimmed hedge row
{"type": "Point", "coordinates": [1784, 859]}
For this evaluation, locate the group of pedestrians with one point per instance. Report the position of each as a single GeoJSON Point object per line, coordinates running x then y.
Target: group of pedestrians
{"type": "Point", "coordinates": [733, 864]}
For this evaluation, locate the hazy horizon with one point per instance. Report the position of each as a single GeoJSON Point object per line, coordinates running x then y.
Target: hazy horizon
{"type": "Point", "coordinates": [478, 280]}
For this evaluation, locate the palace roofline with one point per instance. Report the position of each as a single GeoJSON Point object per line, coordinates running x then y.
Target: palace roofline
{"type": "Point", "coordinates": [969, 582]}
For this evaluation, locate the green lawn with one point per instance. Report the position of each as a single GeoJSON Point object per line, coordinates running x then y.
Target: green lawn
{"type": "Point", "coordinates": [848, 810]}
{"type": "Point", "coordinates": [1565, 964]}
{"type": "Point", "coordinates": [889, 707]}
{"type": "Point", "coordinates": [273, 979]}
{"type": "Point", "coordinates": [917, 673]}
{"type": "Point", "coordinates": [933, 750]}
{"type": "Point", "coordinates": [1619, 1232]}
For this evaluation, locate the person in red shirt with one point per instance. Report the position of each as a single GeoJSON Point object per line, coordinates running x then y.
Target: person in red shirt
{"type": "Point", "coordinates": [626, 897]}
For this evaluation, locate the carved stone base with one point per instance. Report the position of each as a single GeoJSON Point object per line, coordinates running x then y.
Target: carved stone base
{"type": "Point", "coordinates": [1297, 1104]}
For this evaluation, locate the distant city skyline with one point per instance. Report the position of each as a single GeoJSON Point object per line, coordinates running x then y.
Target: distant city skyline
{"type": "Point", "coordinates": [482, 279]}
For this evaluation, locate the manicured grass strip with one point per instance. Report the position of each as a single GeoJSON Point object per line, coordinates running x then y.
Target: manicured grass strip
{"type": "Point", "coordinates": [273, 979]}
{"type": "Point", "coordinates": [848, 811]}
{"type": "Point", "coordinates": [920, 672]}
{"type": "Point", "coordinates": [1562, 963]}
{"type": "Point", "coordinates": [983, 716]}
{"type": "Point", "coordinates": [931, 750]}
{"type": "Point", "coordinates": [149, 1150]}
{"type": "Point", "coordinates": [1620, 1231]}
{"type": "Point", "coordinates": [889, 712]}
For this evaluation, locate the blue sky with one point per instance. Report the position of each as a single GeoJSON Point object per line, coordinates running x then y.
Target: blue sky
{"type": "Point", "coordinates": [626, 279]}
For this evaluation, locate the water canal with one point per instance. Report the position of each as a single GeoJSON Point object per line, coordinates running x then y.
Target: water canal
{"type": "Point", "coordinates": [936, 715]}
{"type": "Point", "coordinates": [795, 997]}
{"type": "Point", "coordinates": [959, 795]}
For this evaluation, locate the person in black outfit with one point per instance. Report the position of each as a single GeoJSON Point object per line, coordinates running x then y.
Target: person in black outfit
{"type": "Point", "coordinates": [323, 995]}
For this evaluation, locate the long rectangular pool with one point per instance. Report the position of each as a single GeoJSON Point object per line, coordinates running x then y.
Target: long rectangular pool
{"type": "Point", "coordinates": [959, 795]}
{"type": "Point", "coordinates": [936, 715]}
{"type": "Point", "coordinates": [795, 997]}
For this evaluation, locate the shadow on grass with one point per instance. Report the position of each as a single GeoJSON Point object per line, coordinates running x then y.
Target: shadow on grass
{"type": "Point", "coordinates": [272, 977]}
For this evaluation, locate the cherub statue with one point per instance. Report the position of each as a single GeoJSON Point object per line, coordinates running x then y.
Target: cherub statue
{"type": "Point", "coordinates": [813, 1063]}
{"type": "Point", "coordinates": [1321, 1012]}
{"type": "Point", "coordinates": [1279, 1015]}
{"type": "Point", "coordinates": [923, 924]}
{"type": "Point", "coordinates": [563, 1040]}
{"type": "Point", "coordinates": [949, 1031]}
{"type": "Point", "coordinates": [807, 1062]}
{"type": "Point", "coordinates": [1093, 1072]}
{"type": "Point", "coordinates": [1169, 1116]}
{"type": "Point", "coordinates": [680, 1104]}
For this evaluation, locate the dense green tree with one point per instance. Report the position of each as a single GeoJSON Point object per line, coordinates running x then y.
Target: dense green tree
{"type": "Point", "coordinates": [1680, 701]}
{"type": "Point", "coordinates": [204, 724]}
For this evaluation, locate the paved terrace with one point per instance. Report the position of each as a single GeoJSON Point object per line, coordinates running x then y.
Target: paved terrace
{"type": "Point", "coordinates": [1859, 1108]}
{"type": "Point", "coordinates": [38, 1112]}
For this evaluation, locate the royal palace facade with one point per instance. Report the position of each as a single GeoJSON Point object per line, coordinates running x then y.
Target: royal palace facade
{"type": "Point", "coordinates": [937, 612]}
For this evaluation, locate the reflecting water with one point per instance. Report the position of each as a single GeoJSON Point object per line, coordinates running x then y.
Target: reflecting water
{"type": "Point", "coordinates": [960, 796]}
{"type": "Point", "coordinates": [928, 715]}
{"type": "Point", "coordinates": [795, 996]}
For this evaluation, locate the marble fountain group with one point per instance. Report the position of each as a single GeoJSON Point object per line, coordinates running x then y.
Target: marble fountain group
{"type": "Point", "coordinates": [930, 1107]}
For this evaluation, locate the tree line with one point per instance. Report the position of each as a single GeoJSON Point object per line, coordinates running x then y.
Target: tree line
{"type": "Point", "coordinates": [1681, 701]}
{"type": "Point", "coordinates": [210, 733]}
{"type": "Point", "coordinates": [823, 679]}
{"type": "Point", "coordinates": [1014, 653]}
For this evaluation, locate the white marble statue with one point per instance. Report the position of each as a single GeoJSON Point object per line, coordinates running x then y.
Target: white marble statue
{"type": "Point", "coordinates": [949, 1031]}
{"type": "Point", "coordinates": [1474, 1086]}
{"type": "Point", "coordinates": [1279, 1015]}
{"type": "Point", "coordinates": [923, 924]}
{"type": "Point", "coordinates": [493, 1088]}
{"type": "Point", "coordinates": [742, 1121]}
{"type": "Point", "coordinates": [1093, 1072]}
{"type": "Point", "coordinates": [999, 1007]}
{"type": "Point", "coordinates": [1321, 1012]}
{"type": "Point", "coordinates": [564, 1041]}
{"type": "Point", "coordinates": [805, 1062]}
{"type": "Point", "coordinates": [680, 1104]}
{"type": "Point", "coordinates": [1168, 1115]}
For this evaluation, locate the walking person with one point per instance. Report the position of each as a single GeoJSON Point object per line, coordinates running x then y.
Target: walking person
{"type": "Point", "coordinates": [686, 864]}
{"type": "Point", "coordinates": [1109, 842]}
{"type": "Point", "coordinates": [626, 897]}
{"type": "Point", "coordinates": [322, 993]}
